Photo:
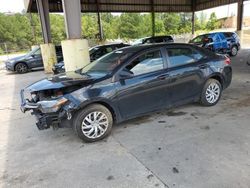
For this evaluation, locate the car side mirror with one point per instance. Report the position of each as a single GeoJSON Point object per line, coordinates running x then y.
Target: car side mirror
{"type": "Point", "coordinates": [125, 74]}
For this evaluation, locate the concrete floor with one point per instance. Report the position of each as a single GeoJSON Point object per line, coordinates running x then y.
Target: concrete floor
{"type": "Point", "coordinates": [190, 146]}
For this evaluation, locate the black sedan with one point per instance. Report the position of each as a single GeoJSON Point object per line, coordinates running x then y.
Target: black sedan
{"type": "Point", "coordinates": [31, 61]}
{"type": "Point", "coordinates": [125, 84]}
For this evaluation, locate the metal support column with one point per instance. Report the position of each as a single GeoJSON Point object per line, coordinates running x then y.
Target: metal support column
{"type": "Point", "coordinates": [153, 17]}
{"type": "Point", "coordinates": [193, 16]}
{"type": "Point", "coordinates": [240, 15]}
{"type": "Point", "coordinates": [101, 36]}
{"type": "Point", "coordinates": [193, 23]}
{"type": "Point", "coordinates": [43, 10]}
{"type": "Point", "coordinates": [72, 17]}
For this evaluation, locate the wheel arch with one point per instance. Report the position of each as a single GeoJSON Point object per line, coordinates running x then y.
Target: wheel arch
{"type": "Point", "coordinates": [217, 77]}
{"type": "Point", "coordinates": [107, 104]}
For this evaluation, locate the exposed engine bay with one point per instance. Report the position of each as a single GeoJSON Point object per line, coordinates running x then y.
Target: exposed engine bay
{"type": "Point", "coordinates": [52, 103]}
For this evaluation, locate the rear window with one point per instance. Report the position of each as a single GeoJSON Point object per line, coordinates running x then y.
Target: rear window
{"type": "Point", "coordinates": [228, 34]}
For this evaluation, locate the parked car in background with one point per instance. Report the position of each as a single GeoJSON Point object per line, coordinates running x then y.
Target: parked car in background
{"type": "Point", "coordinates": [233, 41]}
{"type": "Point", "coordinates": [152, 40]}
{"type": "Point", "coordinates": [125, 84]}
{"type": "Point", "coordinates": [94, 52]}
{"type": "Point", "coordinates": [219, 42]}
{"type": "Point", "coordinates": [32, 60]}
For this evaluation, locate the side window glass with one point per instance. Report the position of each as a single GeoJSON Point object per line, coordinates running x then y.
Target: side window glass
{"type": "Point", "coordinates": [109, 49]}
{"type": "Point", "coordinates": [181, 56]}
{"type": "Point", "coordinates": [38, 52]}
{"type": "Point", "coordinates": [159, 40]}
{"type": "Point", "coordinates": [148, 62]}
{"type": "Point", "coordinates": [197, 55]}
{"type": "Point", "coordinates": [148, 41]}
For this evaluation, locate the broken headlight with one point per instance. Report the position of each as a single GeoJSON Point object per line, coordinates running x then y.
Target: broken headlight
{"type": "Point", "coordinates": [51, 105]}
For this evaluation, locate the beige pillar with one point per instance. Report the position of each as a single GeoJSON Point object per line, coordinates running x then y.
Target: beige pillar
{"type": "Point", "coordinates": [75, 54]}
{"type": "Point", "coordinates": [49, 56]}
{"type": "Point", "coordinates": [241, 36]}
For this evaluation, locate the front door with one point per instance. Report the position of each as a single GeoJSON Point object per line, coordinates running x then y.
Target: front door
{"type": "Point", "coordinates": [35, 60]}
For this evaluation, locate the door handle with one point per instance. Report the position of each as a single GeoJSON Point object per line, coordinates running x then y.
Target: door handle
{"type": "Point", "coordinates": [203, 66]}
{"type": "Point", "coordinates": [162, 77]}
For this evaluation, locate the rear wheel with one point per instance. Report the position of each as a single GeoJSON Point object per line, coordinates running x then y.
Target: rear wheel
{"type": "Point", "coordinates": [234, 51]}
{"type": "Point", "coordinates": [21, 68]}
{"type": "Point", "coordinates": [211, 93]}
{"type": "Point", "coordinates": [93, 123]}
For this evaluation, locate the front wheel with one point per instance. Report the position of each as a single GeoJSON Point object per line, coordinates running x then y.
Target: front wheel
{"type": "Point", "coordinates": [21, 68]}
{"type": "Point", "coordinates": [93, 123]}
{"type": "Point", "coordinates": [211, 93]}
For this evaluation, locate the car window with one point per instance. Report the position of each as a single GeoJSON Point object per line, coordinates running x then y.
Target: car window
{"type": "Point", "coordinates": [109, 49]}
{"type": "Point", "coordinates": [38, 52]}
{"type": "Point", "coordinates": [182, 56]}
{"type": "Point", "coordinates": [200, 39]}
{"type": "Point", "coordinates": [228, 35]}
{"type": "Point", "coordinates": [148, 62]}
{"type": "Point", "coordinates": [148, 41]}
{"type": "Point", "coordinates": [158, 40]}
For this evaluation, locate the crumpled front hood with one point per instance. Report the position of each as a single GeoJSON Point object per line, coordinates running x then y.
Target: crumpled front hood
{"type": "Point", "coordinates": [61, 81]}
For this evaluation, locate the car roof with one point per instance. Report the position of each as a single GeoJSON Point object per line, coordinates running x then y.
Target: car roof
{"type": "Point", "coordinates": [112, 44]}
{"type": "Point", "coordinates": [138, 48]}
{"type": "Point", "coordinates": [162, 36]}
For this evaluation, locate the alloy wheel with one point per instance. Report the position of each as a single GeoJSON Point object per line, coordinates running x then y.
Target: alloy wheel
{"type": "Point", "coordinates": [21, 68]}
{"type": "Point", "coordinates": [213, 93]}
{"type": "Point", "coordinates": [95, 124]}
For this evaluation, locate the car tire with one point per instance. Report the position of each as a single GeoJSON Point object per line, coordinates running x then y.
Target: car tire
{"type": "Point", "coordinates": [93, 123]}
{"type": "Point", "coordinates": [21, 68]}
{"type": "Point", "coordinates": [234, 51]}
{"type": "Point", "coordinates": [211, 92]}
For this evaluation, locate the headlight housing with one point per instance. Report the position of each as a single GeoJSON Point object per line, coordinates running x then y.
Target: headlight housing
{"type": "Point", "coordinates": [52, 105]}
{"type": "Point", "coordinates": [11, 61]}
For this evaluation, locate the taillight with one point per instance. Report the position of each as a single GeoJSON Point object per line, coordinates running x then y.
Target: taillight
{"type": "Point", "coordinates": [227, 61]}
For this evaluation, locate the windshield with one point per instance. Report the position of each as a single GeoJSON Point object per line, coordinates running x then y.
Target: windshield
{"type": "Point", "coordinates": [32, 51]}
{"type": "Point", "coordinates": [200, 39]}
{"type": "Point", "coordinates": [106, 64]}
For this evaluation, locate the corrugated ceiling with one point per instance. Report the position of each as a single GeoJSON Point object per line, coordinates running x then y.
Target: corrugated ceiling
{"type": "Point", "coordinates": [134, 5]}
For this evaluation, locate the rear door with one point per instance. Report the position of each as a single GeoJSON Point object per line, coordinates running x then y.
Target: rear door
{"type": "Point", "coordinates": [186, 74]}
{"type": "Point", "coordinates": [144, 91]}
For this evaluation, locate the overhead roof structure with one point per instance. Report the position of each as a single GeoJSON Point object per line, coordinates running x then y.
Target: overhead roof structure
{"type": "Point", "coordinates": [72, 15]}
{"type": "Point", "coordinates": [134, 5]}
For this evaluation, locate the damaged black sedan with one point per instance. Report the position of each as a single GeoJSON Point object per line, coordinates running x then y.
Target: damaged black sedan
{"type": "Point", "coordinates": [125, 84]}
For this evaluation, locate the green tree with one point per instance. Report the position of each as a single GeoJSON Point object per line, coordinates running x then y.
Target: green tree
{"type": "Point", "coordinates": [129, 26]}
{"type": "Point", "coordinates": [212, 22]}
